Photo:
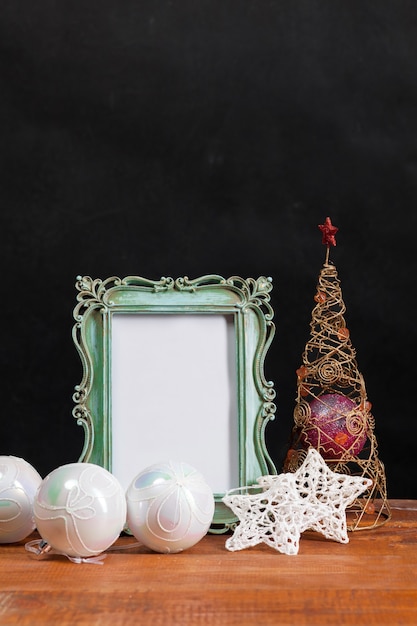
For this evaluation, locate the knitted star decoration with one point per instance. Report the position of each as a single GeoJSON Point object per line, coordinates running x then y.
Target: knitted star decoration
{"type": "Point", "coordinates": [313, 498]}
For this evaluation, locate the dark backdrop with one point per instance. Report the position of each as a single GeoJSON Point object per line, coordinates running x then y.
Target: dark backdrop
{"type": "Point", "coordinates": [190, 137]}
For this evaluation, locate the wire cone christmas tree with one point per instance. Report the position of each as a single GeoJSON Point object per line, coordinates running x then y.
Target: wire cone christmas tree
{"type": "Point", "coordinates": [332, 412]}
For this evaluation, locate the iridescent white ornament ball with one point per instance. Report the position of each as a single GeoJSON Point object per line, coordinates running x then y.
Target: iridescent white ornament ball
{"type": "Point", "coordinates": [170, 507]}
{"type": "Point", "coordinates": [80, 509]}
{"type": "Point", "coordinates": [19, 482]}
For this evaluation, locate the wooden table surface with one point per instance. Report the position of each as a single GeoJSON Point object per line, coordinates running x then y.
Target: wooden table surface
{"type": "Point", "coordinates": [370, 580]}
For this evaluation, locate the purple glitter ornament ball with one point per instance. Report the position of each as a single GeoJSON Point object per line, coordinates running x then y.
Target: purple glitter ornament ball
{"type": "Point", "coordinates": [336, 426]}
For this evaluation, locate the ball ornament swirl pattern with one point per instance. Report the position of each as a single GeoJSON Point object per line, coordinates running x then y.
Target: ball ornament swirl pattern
{"type": "Point", "coordinates": [336, 426]}
{"type": "Point", "coordinates": [170, 507]}
{"type": "Point", "coordinates": [19, 482]}
{"type": "Point", "coordinates": [80, 509]}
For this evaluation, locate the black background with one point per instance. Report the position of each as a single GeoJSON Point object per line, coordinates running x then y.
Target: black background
{"type": "Point", "coordinates": [183, 138]}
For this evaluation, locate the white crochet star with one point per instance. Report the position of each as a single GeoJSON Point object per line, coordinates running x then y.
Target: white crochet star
{"type": "Point", "coordinates": [313, 498]}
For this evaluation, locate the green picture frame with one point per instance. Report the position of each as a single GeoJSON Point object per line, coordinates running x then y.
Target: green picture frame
{"type": "Point", "coordinates": [105, 306]}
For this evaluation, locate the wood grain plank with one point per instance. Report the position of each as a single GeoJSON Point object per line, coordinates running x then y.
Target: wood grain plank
{"type": "Point", "coordinates": [370, 580]}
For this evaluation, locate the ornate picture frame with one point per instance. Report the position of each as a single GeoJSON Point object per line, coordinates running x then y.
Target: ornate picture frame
{"type": "Point", "coordinates": [237, 329]}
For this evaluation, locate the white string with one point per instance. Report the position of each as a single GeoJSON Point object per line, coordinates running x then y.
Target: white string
{"type": "Point", "coordinates": [41, 548]}
{"type": "Point", "coordinates": [127, 546]}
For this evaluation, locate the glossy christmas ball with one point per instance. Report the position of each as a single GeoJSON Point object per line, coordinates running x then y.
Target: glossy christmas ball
{"type": "Point", "coordinates": [169, 507]}
{"type": "Point", "coordinates": [336, 426]}
{"type": "Point", "coordinates": [80, 509]}
{"type": "Point", "coordinates": [19, 482]}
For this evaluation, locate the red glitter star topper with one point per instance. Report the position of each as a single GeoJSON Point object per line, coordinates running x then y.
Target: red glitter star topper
{"type": "Point", "coordinates": [328, 232]}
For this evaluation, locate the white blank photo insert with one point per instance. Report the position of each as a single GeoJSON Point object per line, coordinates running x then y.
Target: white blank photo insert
{"type": "Point", "coordinates": [174, 395]}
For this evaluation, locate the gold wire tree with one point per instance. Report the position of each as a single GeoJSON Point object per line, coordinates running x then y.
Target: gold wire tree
{"type": "Point", "coordinates": [332, 412]}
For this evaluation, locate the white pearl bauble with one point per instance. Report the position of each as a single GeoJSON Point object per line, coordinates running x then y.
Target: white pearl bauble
{"type": "Point", "coordinates": [19, 482]}
{"type": "Point", "coordinates": [169, 507]}
{"type": "Point", "coordinates": [80, 509]}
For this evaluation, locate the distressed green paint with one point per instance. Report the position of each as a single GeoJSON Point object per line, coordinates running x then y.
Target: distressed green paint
{"type": "Point", "coordinates": [248, 300]}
